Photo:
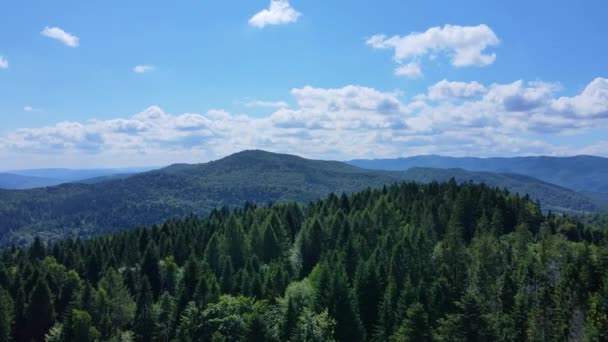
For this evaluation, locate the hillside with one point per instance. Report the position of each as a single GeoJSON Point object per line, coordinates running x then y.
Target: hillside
{"type": "Point", "coordinates": [552, 197]}
{"type": "Point", "coordinates": [16, 181]}
{"type": "Point", "coordinates": [579, 173]}
{"type": "Point", "coordinates": [175, 191]}
{"type": "Point", "coordinates": [35, 178]}
{"type": "Point", "coordinates": [412, 262]}
{"type": "Point", "coordinates": [110, 204]}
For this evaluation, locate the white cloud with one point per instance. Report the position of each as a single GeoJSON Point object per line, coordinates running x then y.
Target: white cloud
{"type": "Point", "coordinates": [592, 102]}
{"type": "Point", "coordinates": [60, 35]}
{"type": "Point", "coordinates": [28, 109]}
{"type": "Point", "coordinates": [268, 104]}
{"type": "Point", "coordinates": [279, 12]}
{"type": "Point", "coordinates": [409, 70]}
{"type": "Point", "coordinates": [455, 90]}
{"type": "Point", "coordinates": [336, 123]}
{"type": "Point", "coordinates": [3, 63]}
{"type": "Point", "coordinates": [520, 97]}
{"type": "Point", "coordinates": [140, 69]}
{"type": "Point", "coordinates": [464, 45]}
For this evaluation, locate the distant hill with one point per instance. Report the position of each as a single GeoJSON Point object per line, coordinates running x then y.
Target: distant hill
{"type": "Point", "coordinates": [551, 196]}
{"type": "Point", "coordinates": [174, 191]}
{"type": "Point", "coordinates": [15, 181]}
{"type": "Point", "coordinates": [35, 178]}
{"type": "Point", "coordinates": [580, 173]}
{"type": "Point", "coordinates": [79, 209]}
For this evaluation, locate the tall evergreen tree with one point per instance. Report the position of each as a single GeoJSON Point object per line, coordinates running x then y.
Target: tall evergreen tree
{"type": "Point", "coordinates": [415, 327]}
{"type": "Point", "coordinates": [311, 245]}
{"type": "Point", "coordinates": [7, 315]}
{"type": "Point", "coordinates": [234, 242]}
{"type": "Point", "coordinates": [41, 311]}
{"type": "Point", "coordinates": [150, 268]}
{"type": "Point", "coordinates": [213, 254]}
{"type": "Point", "coordinates": [144, 314]}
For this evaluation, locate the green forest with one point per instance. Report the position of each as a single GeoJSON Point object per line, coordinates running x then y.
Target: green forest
{"type": "Point", "coordinates": [409, 262]}
{"type": "Point", "coordinates": [107, 206]}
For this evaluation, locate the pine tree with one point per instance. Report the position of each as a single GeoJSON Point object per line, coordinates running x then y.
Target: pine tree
{"type": "Point", "coordinates": [150, 268]}
{"type": "Point", "coordinates": [234, 243]}
{"type": "Point", "coordinates": [311, 245]}
{"type": "Point", "coordinates": [271, 247]}
{"type": "Point", "coordinates": [121, 306]}
{"type": "Point", "coordinates": [415, 327]}
{"type": "Point", "coordinates": [386, 313]}
{"type": "Point", "coordinates": [7, 315]}
{"type": "Point", "coordinates": [38, 250]}
{"type": "Point", "coordinates": [70, 293]}
{"type": "Point", "coordinates": [41, 311]}
{"type": "Point", "coordinates": [213, 254]}
{"type": "Point", "coordinates": [344, 310]}
{"type": "Point", "coordinates": [164, 313]}
{"type": "Point", "coordinates": [170, 275]}
{"type": "Point", "coordinates": [227, 281]}
{"type": "Point", "coordinates": [187, 287]}
{"type": "Point", "coordinates": [368, 288]}
{"type": "Point", "coordinates": [81, 328]}
{"type": "Point", "coordinates": [144, 314]}
{"type": "Point", "coordinates": [313, 327]}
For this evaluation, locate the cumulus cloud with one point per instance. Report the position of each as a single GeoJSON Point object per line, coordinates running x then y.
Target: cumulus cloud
{"type": "Point", "coordinates": [60, 35]}
{"type": "Point", "coordinates": [455, 90]}
{"type": "Point", "coordinates": [453, 118]}
{"type": "Point", "coordinates": [409, 70]}
{"type": "Point", "coordinates": [28, 108]}
{"type": "Point", "coordinates": [521, 97]}
{"type": "Point", "coordinates": [267, 104]}
{"type": "Point", "coordinates": [464, 45]}
{"type": "Point", "coordinates": [279, 12]}
{"type": "Point", "coordinates": [3, 63]}
{"type": "Point", "coordinates": [140, 69]}
{"type": "Point", "coordinates": [591, 103]}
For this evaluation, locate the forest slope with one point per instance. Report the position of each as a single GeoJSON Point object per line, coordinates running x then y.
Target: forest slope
{"type": "Point", "coordinates": [579, 173]}
{"type": "Point", "coordinates": [112, 204]}
{"type": "Point", "coordinates": [412, 262]}
{"type": "Point", "coordinates": [175, 191]}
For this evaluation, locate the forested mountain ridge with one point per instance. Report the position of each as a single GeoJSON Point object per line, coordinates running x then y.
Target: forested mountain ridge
{"type": "Point", "coordinates": [107, 205]}
{"type": "Point", "coordinates": [15, 181]}
{"type": "Point", "coordinates": [175, 191]}
{"type": "Point", "coordinates": [411, 262]}
{"type": "Point", "coordinates": [35, 178]}
{"type": "Point", "coordinates": [552, 197]}
{"type": "Point", "coordinates": [579, 173]}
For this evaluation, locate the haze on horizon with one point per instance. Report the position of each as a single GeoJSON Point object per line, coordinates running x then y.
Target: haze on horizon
{"type": "Point", "coordinates": [152, 83]}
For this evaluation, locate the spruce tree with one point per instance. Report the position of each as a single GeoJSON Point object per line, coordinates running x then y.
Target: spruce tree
{"type": "Point", "coordinates": [144, 314]}
{"type": "Point", "coordinates": [7, 315]}
{"type": "Point", "coordinates": [40, 313]}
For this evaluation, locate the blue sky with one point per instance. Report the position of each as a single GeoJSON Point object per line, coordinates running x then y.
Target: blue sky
{"type": "Point", "coordinates": [315, 78]}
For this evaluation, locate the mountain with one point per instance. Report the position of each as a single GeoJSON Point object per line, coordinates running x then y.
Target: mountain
{"type": "Point", "coordinates": [175, 191]}
{"type": "Point", "coordinates": [412, 262]}
{"type": "Point", "coordinates": [96, 207]}
{"type": "Point", "coordinates": [16, 181]}
{"type": "Point", "coordinates": [551, 196]}
{"type": "Point", "coordinates": [34, 178]}
{"type": "Point", "coordinates": [579, 173]}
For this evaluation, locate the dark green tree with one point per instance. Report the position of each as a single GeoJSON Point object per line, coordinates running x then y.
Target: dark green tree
{"type": "Point", "coordinates": [144, 315]}
{"type": "Point", "coordinates": [40, 312]}
{"type": "Point", "coordinates": [7, 315]}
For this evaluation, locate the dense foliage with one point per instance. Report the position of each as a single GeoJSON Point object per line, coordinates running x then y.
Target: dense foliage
{"type": "Point", "coordinates": [406, 263]}
{"type": "Point", "coordinates": [599, 220]}
{"type": "Point", "coordinates": [118, 203]}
